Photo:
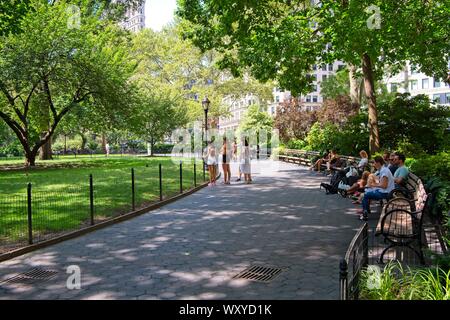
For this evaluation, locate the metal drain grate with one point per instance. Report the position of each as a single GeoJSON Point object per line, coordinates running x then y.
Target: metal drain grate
{"type": "Point", "coordinates": [259, 273]}
{"type": "Point", "coordinates": [30, 277]}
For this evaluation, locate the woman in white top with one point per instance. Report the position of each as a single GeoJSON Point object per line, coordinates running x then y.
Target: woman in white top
{"type": "Point", "coordinates": [211, 161]}
{"type": "Point", "coordinates": [364, 161]}
{"type": "Point", "coordinates": [226, 153]}
{"type": "Point", "coordinates": [244, 158]}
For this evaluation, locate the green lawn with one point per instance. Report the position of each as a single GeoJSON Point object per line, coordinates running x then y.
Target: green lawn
{"type": "Point", "coordinates": [60, 191]}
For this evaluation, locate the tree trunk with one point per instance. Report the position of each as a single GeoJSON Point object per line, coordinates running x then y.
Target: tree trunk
{"type": "Point", "coordinates": [152, 147]}
{"type": "Point", "coordinates": [30, 158]}
{"type": "Point", "coordinates": [65, 144]}
{"type": "Point", "coordinates": [369, 86]}
{"type": "Point", "coordinates": [104, 143]}
{"type": "Point", "coordinates": [355, 91]}
{"type": "Point", "coordinates": [45, 152]}
{"type": "Point", "coordinates": [83, 141]}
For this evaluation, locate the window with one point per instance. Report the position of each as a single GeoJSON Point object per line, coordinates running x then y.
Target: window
{"type": "Point", "coordinates": [340, 67]}
{"type": "Point", "coordinates": [414, 85]}
{"type": "Point", "coordinates": [437, 83]}
{"type": "Point", "coordinates": [324, 67]}
{"type": "Point", "coordinates": [330, 67]}
{"type": "Point", "coordinates": [425, 83]}
{"type": "Point", "coordinates": [277, 99]}
{"type": "Point", "coordinates": [315, 88]}
{"type": "Point", "coordinates": [394, 87]}
{"type": "Point", "coordinates": [414, 69]}
{"type": "Point", "coordinates": [315, 99]}
{"type": "Point", "coordinates": [314, 77]}
{"type": "Point", "coordinates": [315, 67]}
{"type": "Point", "coordinates": [447, 98]}
{"type": "Point", "coordinates": [308, 98]}
{"type": "Point", "coordinates": [324, 77]}
{"type": "Point", "coordinates": [437, 98]}
{"type": "Point", "coordinates": [273, 110]}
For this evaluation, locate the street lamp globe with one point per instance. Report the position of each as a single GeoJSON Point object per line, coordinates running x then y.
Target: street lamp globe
{"type": "Point", "coordinates": [205, 104]}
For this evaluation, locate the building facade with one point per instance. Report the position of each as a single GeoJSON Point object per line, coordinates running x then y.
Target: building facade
{"type": "Point", "coordinates": [135, 19]}
{"type": "Point", "coordinates": [237, 109]}
{"type": "Point", "coordinates": [314, 99]}
{"type": "Point", "coordinates": [414, 82]}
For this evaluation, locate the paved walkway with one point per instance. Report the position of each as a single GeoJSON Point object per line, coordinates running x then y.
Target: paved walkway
{"type": "Point", "coordinates": [191, 249]}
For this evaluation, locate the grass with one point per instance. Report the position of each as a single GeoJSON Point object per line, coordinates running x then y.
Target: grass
{"type": "Point", "coordinates": [60, 191]}
{"type": "Point", "coordinates": [396, 283]}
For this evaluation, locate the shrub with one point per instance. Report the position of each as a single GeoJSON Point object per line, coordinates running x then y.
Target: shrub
{"type": "Point", "coordinates": [14, 149]}
{"type": "Point", "coordinates": [396, 283]}
{"type": "Point", "coordinates": [296, 144]}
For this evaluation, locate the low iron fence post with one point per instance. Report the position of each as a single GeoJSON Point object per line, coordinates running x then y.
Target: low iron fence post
{"type": "Point", "coordinates": [30, 220]}
{"type": "Point", "coordinates": [133, 204]}
{"type": "Point", "coordinates": [204, 171]}
{"type": "Point", "coordinates": [343, 280]}
{"type": "Point", "coordinates": [160, 183]}
{"type": "Point", "coordinates": [91, 198]}
{"type": "Point", "coordinates": [195, 174]}
{"type": "Point", "coordinates": [181, 177]}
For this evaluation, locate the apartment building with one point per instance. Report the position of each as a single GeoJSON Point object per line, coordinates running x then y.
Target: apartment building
{"type": "Point", "coordinates": [411, 80]}
{"type": "Point", "coordinates": [237, 109]}
{"type": "Point", "coordinates": [135, 19]}
{"type": "Point", "coordinates": [313, 100]}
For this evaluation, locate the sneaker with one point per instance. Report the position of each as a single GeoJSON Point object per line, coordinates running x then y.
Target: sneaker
{"type": "Point", "coordinates": [238, 179]}
{"type": "Point", "coordinates": [362, 217]}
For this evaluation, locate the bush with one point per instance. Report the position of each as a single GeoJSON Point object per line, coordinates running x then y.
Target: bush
{"type": "Point", "coordinates": [161, 148]}
{"type": "Point", "coordinates": [297, 144]}
{"type": "Point", "coordinates": [396, 283]}
{"type": "Point", "coordinates": [14, 149]}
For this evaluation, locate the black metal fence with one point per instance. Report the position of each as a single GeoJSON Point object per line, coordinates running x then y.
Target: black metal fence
{"type": "Point", "coordinates": [356, 259]}
{"type": "Point", "coordinates": [39, 215]}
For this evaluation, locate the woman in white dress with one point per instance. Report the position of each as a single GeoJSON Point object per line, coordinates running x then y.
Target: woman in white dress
{"type": "Point", "coordinates": [226, 153]}
{"type": "Point", "coordinates": [244, 160]}
{"type": "Point", "coordinates": [211, 161]}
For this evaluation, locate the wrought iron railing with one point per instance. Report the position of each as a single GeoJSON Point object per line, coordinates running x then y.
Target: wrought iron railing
{"type": "Point", "coordinates": [356, 259]}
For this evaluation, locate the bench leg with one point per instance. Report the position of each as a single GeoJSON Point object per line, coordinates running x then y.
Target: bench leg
{"type": "Point", "coordinates": [419, 252]}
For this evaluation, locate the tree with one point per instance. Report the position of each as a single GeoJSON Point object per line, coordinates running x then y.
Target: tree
{"type": "Point", "coordinates": [337, 111]}
{"type": "Point", "coordinates": [292, 121]}
{"type": "Point", "coordinates": [284, 39]}
{"type": "Point", "coordinates": [49, 68]}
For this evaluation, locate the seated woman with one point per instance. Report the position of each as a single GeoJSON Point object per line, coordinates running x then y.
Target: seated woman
{"type": "Point", "coordinates": [317, 165]}
{"type": "Point", "coordinates": [364, 163]}
{"type": "Point", "coordinates": [334, 161]}
{"type": "Point", "coordinates": [360, 184]}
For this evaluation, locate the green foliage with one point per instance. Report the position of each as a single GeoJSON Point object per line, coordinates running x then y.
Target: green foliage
{"type": "Point", "coordinates": [396, 283]}
{"type": "Point", "coordinates": [256, 120]}
{"type": "Point", "coordinates": [336, 85]}
{"type": "Point", "coordinates": [413, 125]}
{"type": "Point", "coordinates": [53, 66]}
{"type": "Point", "coordinates": [11, 149]}
{"type": "Point", "coordinates": [162, 148]}
{"type": "Point", "coordinates": [297, 144]}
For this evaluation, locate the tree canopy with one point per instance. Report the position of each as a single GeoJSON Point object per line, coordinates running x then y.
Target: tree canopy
{"type": "Point", "coordinates": [280, 39]}
{"type": "Point", "coordinates": [50, 67]}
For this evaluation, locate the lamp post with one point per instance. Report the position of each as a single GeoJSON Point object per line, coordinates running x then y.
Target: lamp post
{"type": "Point", "coordinates": [205, 104]}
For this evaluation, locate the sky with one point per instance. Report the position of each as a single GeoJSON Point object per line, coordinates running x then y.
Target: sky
{"type": "Point", "coordinates": [158, 13]}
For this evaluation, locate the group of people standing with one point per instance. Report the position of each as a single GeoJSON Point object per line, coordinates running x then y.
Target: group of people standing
{"type": "Point", "coordinates": [227, 154]}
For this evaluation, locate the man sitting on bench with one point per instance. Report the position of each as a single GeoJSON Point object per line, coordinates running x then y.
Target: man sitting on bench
{"type": "Point", "coordinates": [380, 190]}
{"type": "Point", "coordinates": [401, 174]}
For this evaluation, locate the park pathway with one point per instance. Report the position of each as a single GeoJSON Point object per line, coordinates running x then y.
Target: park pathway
{"type": "Point", "coordinates": [191, 249]}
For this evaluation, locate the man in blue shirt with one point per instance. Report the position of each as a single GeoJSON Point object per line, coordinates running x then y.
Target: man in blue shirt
{"type": "Point", "coordinates": [401, 174]}
{"type": "Point", "coordinates": [378, 190]}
